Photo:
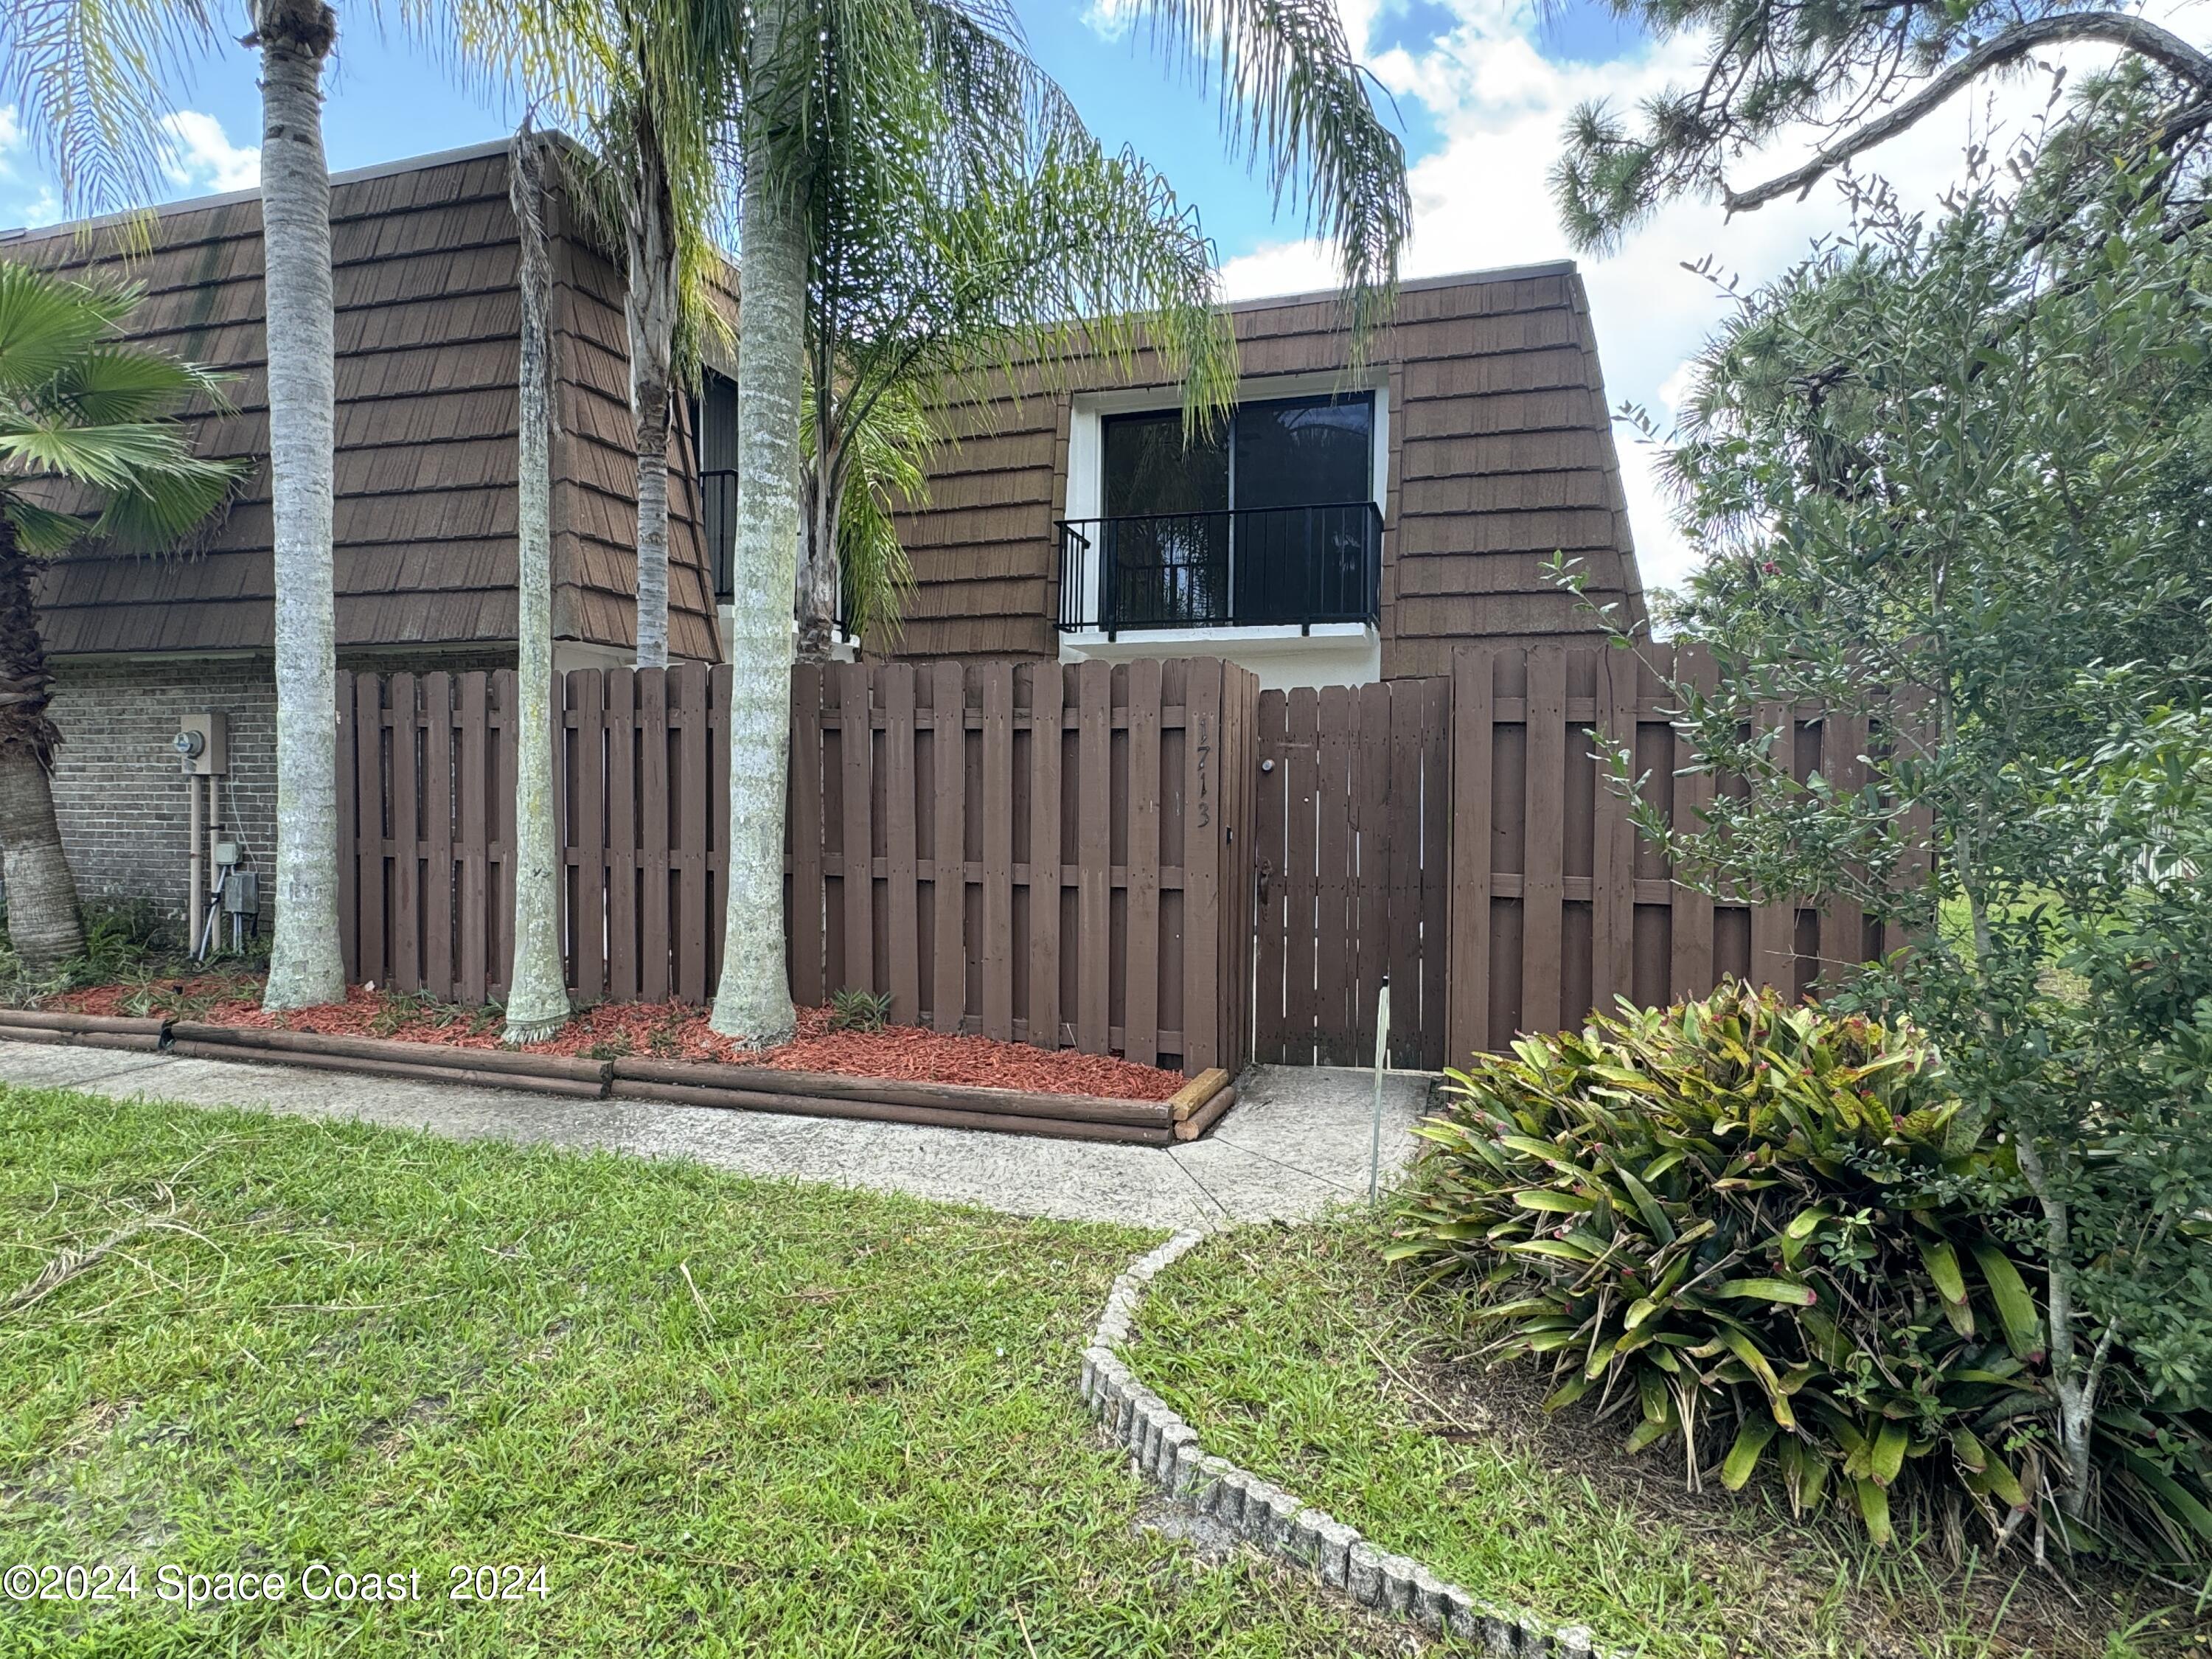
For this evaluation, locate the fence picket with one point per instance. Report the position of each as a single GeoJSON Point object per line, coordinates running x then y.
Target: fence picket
{"type": "Point", "coordinates": [656, 901]}
{"type": "Point", "coordinates": [585, 833]}
{"type": "Point", "coordinates": [406, 942]}
{"type": "Point", "coordinates": [1094, 827]}
{"type": "Point", "coordinates": [473, 780]}
{"type": "Point", "coordinates": [505, 732]}
{"type": "Point", "coordinates": [350, 835]}
{"type": "Point", "coordinates": [998, 757]}
{"type": "Point", "coordinates": [440, 898]}
{"type": "Point", "coordinates": [694, 835]}
{"type": "Point", "coordinates": [1141, 1002]}
{"type": "Point", "coordinates": [371, 742]}
{"type": "Point", "coordinates": [1047, 692]}
{"type": "Point", "coordinates": [949, 884]}
{"type": "Point", "coordinates": [1466, 1027]}
{"type": "Point", "coordinates": [620, 722]}
{"type": "Point", "coordinates": [1693, 794]}
{"type": "Point", "coordinates": [1203, 848]}
{"type": "Point", "coordinates": [902, 934]}
{"type": "Point", "coordinates": [1542, 888]}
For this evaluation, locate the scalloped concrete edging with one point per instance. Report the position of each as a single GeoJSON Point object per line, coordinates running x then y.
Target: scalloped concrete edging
{"type": "Point", "coordinates": [1166, 1452]}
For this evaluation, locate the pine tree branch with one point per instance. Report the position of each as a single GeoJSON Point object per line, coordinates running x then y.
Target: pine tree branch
{"type": "Point", "coordinates": [2145, 39]}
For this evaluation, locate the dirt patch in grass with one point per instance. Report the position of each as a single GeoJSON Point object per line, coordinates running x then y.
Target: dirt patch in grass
{"type": "Point", "coordinates": [1296, 1355]}
{"type": "Point", "coordinates": [663, 1031]}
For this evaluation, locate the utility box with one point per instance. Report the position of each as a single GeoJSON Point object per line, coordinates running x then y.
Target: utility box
{"type": "Point", "coordinates": [202, 744]}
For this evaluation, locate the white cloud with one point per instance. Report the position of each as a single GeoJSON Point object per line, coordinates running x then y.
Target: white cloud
{"type": "Point", "coordinates": [1108, 19]}
{"type": "Point", "coordinates": [1482, 199]}
{"type": "Point", "coordinates": [42, 208]}
{"type": "Point", "coordinates": [202, 157]}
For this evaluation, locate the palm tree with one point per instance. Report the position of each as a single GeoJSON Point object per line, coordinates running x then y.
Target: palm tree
{"type": "Point", "coordinates": [951, 258]}
{"type": "Point", "coordinates": [88, 449]}
{"type": "Point", "coordinates": [853, 568]}
{"type": "Point", "coordinates": [663, 106]}
{"type": "Point", "coordinates": [89, 76]}
{"type": "Point", "coordinates": [811, 71]}
{"type": "Point", "coordinates": [536, 988]}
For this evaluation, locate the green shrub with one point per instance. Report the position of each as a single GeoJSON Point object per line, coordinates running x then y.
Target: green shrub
{"type": "Point", "coordinates": [857, 1009]}
{"type": "Point", "coordinates": [1745, 1225]}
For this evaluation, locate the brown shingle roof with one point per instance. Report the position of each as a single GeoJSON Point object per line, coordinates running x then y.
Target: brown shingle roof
{"type": "Point", "coordinates": [423, 270]}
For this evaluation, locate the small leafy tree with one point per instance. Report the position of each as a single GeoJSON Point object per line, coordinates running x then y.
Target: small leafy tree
{"type": "Point", "coordinates": [1952, 478]}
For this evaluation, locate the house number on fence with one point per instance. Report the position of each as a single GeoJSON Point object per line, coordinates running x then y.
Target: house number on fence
{"type": "Point", "coordinates": [1205, 789]}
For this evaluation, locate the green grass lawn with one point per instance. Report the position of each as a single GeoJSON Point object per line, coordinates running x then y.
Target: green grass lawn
{"type": "Point", "coordinates": [724, 1416]}
{"type": "Point", "coordinates": [1295, 1355]}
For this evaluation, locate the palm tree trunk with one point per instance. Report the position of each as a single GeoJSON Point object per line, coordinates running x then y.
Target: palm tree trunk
{"type": "Point", "coordinates": [294, 36]}
{"type": "Point", "coordinates": [536, 990]}
{"type": "Point", "coordinates": [43, 924]}
{"type": "Point", "coordinates": [651, 312]}
{"type": "Point", "coordinates": [817, 573]}
{"type": "Point", "coordinates": [753, 1004]}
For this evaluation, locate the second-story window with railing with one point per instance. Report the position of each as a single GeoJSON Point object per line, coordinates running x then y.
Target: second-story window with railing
{"type": "Point", "coordinates": [1269, 519]}
{"type": "Point", "coordinates": [715, 420]}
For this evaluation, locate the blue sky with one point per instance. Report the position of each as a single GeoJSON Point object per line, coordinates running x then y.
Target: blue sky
{"type": "Point", "coordinates": [1478, 88]}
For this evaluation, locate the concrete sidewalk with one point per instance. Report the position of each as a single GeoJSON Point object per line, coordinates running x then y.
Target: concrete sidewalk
{"type": "Point", "coordinates": [1296, 1142]}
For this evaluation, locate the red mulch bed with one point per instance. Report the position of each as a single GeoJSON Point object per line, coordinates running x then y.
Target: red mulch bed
{"type": "Point", "coordinates": [667, 1030]}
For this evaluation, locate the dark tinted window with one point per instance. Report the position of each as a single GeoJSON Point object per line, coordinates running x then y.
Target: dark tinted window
{"type": "Point", "coordinates": [1304, 452]}
{"type": "Point", "coordinates": [1149, 470]}
{"type": "Point", "coordinates": [1293, 451]}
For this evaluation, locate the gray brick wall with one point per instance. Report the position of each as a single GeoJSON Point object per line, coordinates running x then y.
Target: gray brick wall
{"type": "Point", "coordinates": [116, 789]}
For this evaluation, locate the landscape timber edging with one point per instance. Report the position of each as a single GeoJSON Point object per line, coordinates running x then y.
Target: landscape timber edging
{"type": "Point", "coordinates": [89, 1031]}
{"type": "Point", "coordinates": [698, 1083]}
{"type": "Point", "coordinates": [1166, 1453]}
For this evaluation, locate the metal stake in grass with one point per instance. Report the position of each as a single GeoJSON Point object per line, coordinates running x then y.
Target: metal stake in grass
{"type": "Point", "coordinates": [1381, 1060]}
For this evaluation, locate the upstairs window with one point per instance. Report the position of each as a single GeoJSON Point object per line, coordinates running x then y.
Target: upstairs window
{"type": "Point", "coordinates": [1268, 519]}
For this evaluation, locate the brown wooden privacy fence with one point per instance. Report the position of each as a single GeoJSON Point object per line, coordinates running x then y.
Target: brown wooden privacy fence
{"type": "Point", "coordinates": [1053, 854]}
{"type": "Point", "coordinates": [1096, 820]}
{"type": "Point", "coordinates": [1148, 858]}
{"type": "Point", "coordinates": [1459, 835]}
{"type": "Point", "coordinates": [426, 820]}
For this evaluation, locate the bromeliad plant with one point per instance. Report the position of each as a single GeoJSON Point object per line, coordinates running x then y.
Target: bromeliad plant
{"type": "Point", "coordinates": [1744, 1223]}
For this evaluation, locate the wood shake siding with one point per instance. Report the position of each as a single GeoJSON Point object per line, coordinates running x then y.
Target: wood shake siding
{"type": "Point", "coordinates": [423, 266]}
{"type": "Point", "coordinates": [1501, 453]}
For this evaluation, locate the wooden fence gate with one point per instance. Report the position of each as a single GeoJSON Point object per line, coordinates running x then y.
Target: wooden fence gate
{"type": "Point", "coordinates": [1354, 867]}
{"type": "Point", "coordinates": [1460, 834]}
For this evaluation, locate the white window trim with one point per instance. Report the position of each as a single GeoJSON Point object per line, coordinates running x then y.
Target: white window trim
{"type": "Point", "coordinates": [1086, 455]}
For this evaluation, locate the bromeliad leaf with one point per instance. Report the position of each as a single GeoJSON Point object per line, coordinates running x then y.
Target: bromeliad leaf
{"type": "Point", "coordinates": [1786, 1291]}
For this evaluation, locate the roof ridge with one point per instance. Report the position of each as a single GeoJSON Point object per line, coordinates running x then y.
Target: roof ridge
{"type": "Point", "coordinates": [350, 176]}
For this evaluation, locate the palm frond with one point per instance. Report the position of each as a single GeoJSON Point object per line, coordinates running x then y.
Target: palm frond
{"type": "Point", "coordinates": [1296, 104]}
{"type": "Point", "coordinates": [86, 423]}
{"type": "Point", "coordinates": [109, 385]}
{"type": "Point", "coordinates": [41, 531]}
{"type": "Point", "coordinates": [89, 77]}
{"type": "Point", "coordinates": [162, 510]}
{"type": "Point", "coordinates": [46, 324]}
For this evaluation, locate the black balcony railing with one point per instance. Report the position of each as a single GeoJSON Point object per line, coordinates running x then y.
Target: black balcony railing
{"type": "Point", "coordinates": [1254, 566]}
